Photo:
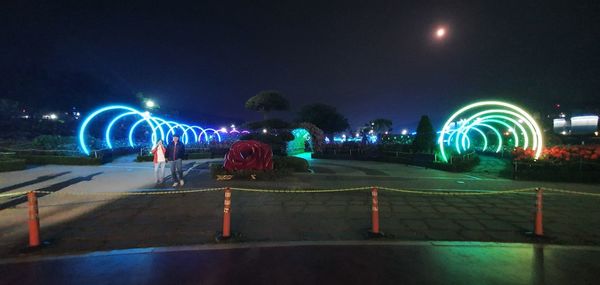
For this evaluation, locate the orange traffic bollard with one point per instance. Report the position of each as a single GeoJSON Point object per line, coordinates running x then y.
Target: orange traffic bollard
{"type": "Point", "coordinates": [227, 214]}
{"type": "Point", "coordinates": [539, 226]}
{"type": "Point", "coordinates": [374, 211]}
{"type": "Point", "coordinates": [34, 220]}
{"type": "Point", "coordinates": [374, 232]}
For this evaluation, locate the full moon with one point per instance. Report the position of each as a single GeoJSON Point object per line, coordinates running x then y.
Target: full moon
{"type": "Point", "coordinates": [440, 32]}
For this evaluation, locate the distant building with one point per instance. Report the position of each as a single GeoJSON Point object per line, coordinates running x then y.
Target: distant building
{"type": "Point", "coordinates": [576, 125]}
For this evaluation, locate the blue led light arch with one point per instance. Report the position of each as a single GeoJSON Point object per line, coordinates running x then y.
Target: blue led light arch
{"type": "Point", "coordinates": [160, 128]}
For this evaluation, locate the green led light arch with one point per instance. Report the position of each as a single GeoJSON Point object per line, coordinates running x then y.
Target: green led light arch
{"type": "Point", "coordinates": [495, 130]}
{"type": "Point", "coordinates": [481, 124]}
{"type": "Point", "coordinates": [485, 140]}
{"type": "Point", "coordinates": [500, 117]}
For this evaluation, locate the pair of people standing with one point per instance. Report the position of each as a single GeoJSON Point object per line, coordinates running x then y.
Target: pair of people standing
{"type": "Point", "coordinates": [173, 153]}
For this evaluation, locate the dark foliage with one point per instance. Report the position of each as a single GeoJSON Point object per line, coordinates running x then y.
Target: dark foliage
{"type": "Point", "coordinates": [293, 163]}
{"type": "Point", "coordinates": [381, 125]}
{"type": "Point", "coordinates": [268, 124]}
{"type": "Point", "coordinates": [326, 117]}
{"type": "Point", "coordinates": [425, 139]}
{"type": "Point", "coordinates": [267, 101]}
{"type": "Point", "coordinates": [12, 164]}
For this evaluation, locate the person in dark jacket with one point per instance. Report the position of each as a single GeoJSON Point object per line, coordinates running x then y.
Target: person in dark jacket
{"type": "Point", "coordinates": [175, 154]}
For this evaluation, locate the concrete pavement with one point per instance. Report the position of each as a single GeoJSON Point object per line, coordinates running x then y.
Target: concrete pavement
{"type": "Point", "coordinates": [146, 221]}
{"type": "Point", "coordinates": [87, 223]}
{"type": "Point", "coordinates": [119, 176]}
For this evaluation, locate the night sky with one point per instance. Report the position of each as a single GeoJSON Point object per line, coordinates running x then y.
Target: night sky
{"type": "Point", "coordinates": [371, 59]}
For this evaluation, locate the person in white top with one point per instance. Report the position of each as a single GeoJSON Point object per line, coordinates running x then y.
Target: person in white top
{"type": "Point", "coordinates": [160, 161]}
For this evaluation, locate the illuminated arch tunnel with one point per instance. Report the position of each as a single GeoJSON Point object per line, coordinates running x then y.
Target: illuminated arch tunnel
{"type": "Point", "coordinates": [298, 145]}
{"type": "Point", "coordinates": [159, 128]}
{"type": "Point", "coordinates": [489, 126]}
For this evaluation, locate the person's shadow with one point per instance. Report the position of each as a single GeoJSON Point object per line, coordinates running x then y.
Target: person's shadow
{"type": "Point", "coordinates": [52, 188]}
{"type": "Point", "coordinates": [34, 181]}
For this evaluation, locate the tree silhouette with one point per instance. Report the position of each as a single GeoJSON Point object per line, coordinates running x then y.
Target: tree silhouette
{"type": "Point", "coordinates": [267, 101]}
{"type": "Point", "coordinates": [381, 125]}
{"type": "Point", "coordinates": [324, 116]}
{"type": "Point", "coordinates": [425, 139]}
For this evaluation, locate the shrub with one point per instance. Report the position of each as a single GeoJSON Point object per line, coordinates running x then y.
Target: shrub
{"type": "Point", "coordinates": [548, 170]}
{"type": "Point", "coordinates": [7, 155]}
{"type": "Point", "coordinates": [458, 165]}
{"type": "Point", "coordinates": [190, 155]}
{"type": "Point", "coordinates": [269, 124]}
{"type": "Point", "coordinates": [12, 164]}
{"type": "Point", "coordinates": [199, 155]}
{"type": "Point", "coordinates": [48, 152]}
{"type": "Point", "coordinates": [292, 163]}
{"type": "Point", "coordinates": [64, 160]}
{"type": "Point", "coordinates": [277, 142]}
{"type": "Point", "coordinates": [425, 139]}
{"type": "Point", "coordinates": [216, 168]}
{"type": "Point", "coordinates": [144, 158]}
{"type": "Point", "coordinates": [53, 142]}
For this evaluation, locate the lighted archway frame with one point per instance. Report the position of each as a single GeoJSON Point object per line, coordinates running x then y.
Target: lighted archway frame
{"type": "Point", "coordinates": [485, 143]}
{"type": "Point", "coordinates": [490, 112]}
{"type": "Point", "coordinates": [485, 123]}
{"type": "Point", "coordinates": [205, 133]}
{"type": "Point", "coordinates": [159, 127]}
{"type": "Point", "coordinates": [301, 135]}
{"type": "Point", "coordinates": [86, 122]}
{"type": "Point", "coordinates": [494, 119]}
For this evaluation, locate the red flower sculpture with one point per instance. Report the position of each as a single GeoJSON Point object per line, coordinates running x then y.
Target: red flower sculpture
{"type": "Point", "coordinates": [251, 155]}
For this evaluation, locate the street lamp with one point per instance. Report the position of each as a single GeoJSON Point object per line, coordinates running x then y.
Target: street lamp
{"type": "Point", "coordinates": [150, 104]}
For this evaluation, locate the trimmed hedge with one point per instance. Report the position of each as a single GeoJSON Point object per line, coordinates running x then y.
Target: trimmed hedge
{"type": "Point", "coordinates": [418, 159]}
{"type": "Point", "coordinates": [63, 160]}
{"type": "Point", "coordinates": [563, 172]}
{"type": "Point", "coordinates": [12, 165]}
{"type": "Point", "coordinates": [199, 155]}
{"type": "Point", "coordinates": [97, 157]}
{"type": "Point", "coordinates": [144, 158]}
{"type": "Point", "coordinates": [290, 162]}
{"type": "Point", "coordinates": [193, 155]}
{"type": "Point", "coordinates": [43, 152]}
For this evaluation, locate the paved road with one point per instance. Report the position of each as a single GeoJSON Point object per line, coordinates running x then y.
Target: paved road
{"type": "Point", "coordinates": [317, 263]}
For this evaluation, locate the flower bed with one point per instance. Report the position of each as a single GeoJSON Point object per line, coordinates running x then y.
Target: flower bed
{"type": "Point", "coordinates": [559, 163]}
{"type": "Point", "coordinates": [561, 153]}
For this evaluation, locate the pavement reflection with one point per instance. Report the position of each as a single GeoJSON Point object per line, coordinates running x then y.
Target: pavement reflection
{"type": "Point", "coordinates": [376, 262]}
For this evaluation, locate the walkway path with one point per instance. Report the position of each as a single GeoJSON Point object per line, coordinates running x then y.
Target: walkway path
{"type": "Point", "coordinates": [88, 223]}
{"type": "Point", "coordinates": [490, 166]}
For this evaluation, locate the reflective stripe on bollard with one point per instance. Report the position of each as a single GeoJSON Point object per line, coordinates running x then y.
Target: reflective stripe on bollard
{"type": "Point", "coordinates": [227, 214]}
